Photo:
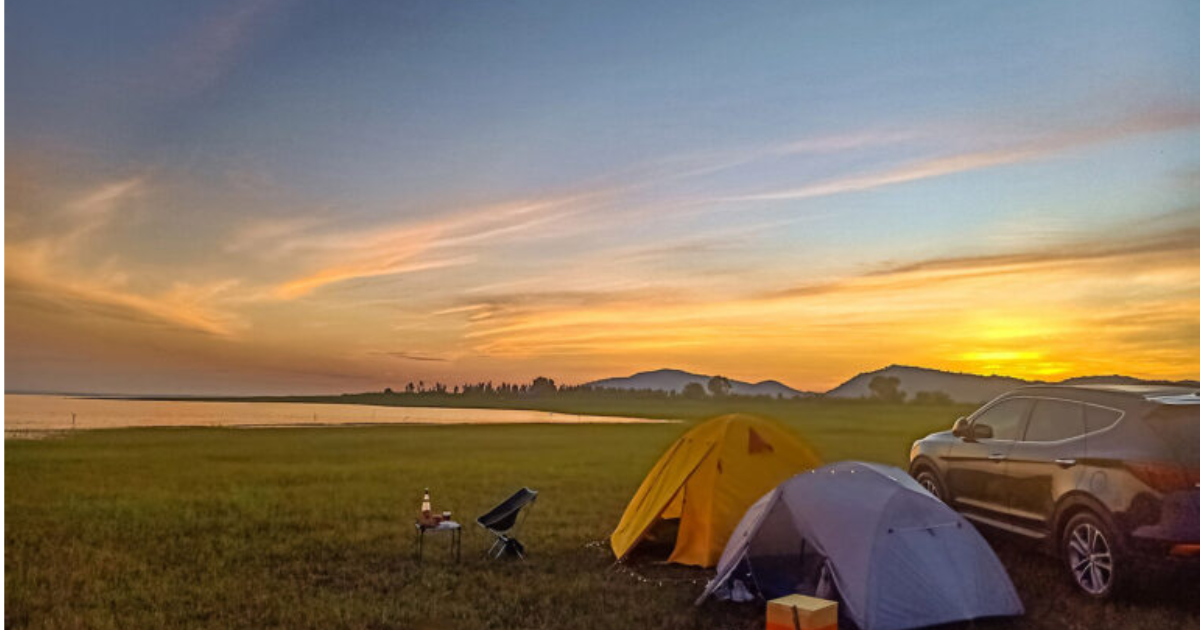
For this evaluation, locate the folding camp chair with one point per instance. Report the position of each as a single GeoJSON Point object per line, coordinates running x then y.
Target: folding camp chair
{"type": "Point", "coordinates": [504, 520]}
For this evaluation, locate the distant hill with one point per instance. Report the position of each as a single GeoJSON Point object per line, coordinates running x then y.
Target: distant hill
{"type": "Point", "coordinates": [1117, 379]}
{"type": "Point", "coordinates": [970, 388]}
{"type": "Point", "coordinates": [676, 380]}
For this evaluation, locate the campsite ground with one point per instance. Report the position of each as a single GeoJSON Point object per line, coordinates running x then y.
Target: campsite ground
{"type": "Point", "coordinates": [310, 528]}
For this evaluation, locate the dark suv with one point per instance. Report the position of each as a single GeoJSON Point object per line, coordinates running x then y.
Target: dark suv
{"type": "Point", "coordinates": [1106, 475]}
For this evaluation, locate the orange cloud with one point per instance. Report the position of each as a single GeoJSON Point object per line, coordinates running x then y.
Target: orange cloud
{"type": "Point", "coordinates": [365, 269]}
{"type": "Point", "coordinates": [45, 271]}
{"type": "Point", "coordinates": [1096, 306]}
{"type": "Point", "coordinates": [399, 249]}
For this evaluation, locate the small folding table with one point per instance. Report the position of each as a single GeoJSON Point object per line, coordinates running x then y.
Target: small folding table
{"type": "Point", "coordinates": [451, 527]}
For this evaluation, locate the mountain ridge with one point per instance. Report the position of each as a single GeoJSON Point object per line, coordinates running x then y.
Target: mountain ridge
{"type": "Point", "coordinates": [961, 387]}
{"type": "Point", "coordinates": [668, 379]}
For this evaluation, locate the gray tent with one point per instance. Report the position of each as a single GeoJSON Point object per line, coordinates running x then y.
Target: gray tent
{"type": "Point", "coordinates": [869, 536]}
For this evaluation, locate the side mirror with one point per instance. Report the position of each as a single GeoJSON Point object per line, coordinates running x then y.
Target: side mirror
{"type": "Point", "coordinates": [981, 431]}
{"type": "Point", "coordinates": [961, 428]}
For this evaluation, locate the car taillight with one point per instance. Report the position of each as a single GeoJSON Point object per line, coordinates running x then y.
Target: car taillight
{"type": "Point", "coordinates": [1185, 550]}
{"type": "Point", "coordinates": [1165, 477]}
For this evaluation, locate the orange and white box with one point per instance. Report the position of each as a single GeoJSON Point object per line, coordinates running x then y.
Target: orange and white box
{"type": "Point", "coordinates": [800, 612]}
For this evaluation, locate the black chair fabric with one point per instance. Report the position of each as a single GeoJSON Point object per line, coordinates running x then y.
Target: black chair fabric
{"type": "Point", "coordinates": [503, 517]}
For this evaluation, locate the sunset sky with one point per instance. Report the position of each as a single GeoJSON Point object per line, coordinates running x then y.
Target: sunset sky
{"type": "Point", "coordinates": [277, 196]}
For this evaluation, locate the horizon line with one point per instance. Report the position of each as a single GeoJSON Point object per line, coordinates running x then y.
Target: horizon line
{"type": "Point", "coordinates": [182, 396]}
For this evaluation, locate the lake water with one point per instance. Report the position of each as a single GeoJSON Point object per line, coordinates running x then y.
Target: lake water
{"type": "Point", "coordinates": [33, 416]}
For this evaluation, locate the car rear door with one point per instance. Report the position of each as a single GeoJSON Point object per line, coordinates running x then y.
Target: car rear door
{"type": "Point", "coordinates": [975, 468]}
{"type": "Point", "coordinates": [1045, 463]}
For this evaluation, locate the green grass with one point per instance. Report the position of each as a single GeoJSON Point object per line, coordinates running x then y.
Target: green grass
{"type": "Point", "coordinates": [311, 528]}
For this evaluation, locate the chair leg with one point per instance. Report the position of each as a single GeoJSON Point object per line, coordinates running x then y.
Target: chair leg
{"type": "Point", "coordinates": [492, 551]}
{"type": "Point", "coordinates": [502, 545]}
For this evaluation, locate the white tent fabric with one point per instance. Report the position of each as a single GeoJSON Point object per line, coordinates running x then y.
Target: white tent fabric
{"type": "Point", "coordinates": [899, 557]}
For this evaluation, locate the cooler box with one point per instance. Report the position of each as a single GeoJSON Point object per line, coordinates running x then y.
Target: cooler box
{"type": "Point", "coordinates": [799, 612]}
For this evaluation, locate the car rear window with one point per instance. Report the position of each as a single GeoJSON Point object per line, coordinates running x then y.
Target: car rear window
{"type": "Point", "coordinates": [1099, 418]}
{"type": "Point", "coordinates": [1180, 425]}
{"type": "Point", "coordinates": [1053, 420]}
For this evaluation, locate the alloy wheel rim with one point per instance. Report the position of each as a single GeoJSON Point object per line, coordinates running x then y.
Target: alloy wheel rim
{"type": "Point", "coordinates": [1090, 558]}
{"type": "Point", "coordinates": [928, 483]}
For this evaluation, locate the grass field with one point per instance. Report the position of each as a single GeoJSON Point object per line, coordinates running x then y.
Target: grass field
{"type": "Point", "coordinates": [311, 528]}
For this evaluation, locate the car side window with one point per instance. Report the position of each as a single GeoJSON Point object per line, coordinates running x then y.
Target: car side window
{"type": "Point", "coordinates": [1100, 418]}
{"type": "Point", "coordinates": [1004, 418]}
{"type": "Point", "coordinates": [1054, 420]}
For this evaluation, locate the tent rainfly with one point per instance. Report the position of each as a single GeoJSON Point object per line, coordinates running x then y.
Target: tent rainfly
{"type": "Point", "coordinates": [869, 535]}
{"type": "Point", "coordinates": [706, 480]}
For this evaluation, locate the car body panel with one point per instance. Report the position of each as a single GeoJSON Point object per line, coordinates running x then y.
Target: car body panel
{"type": "Point", "coordinates": [976, 470]}
{"type": "Point", "coordinates": [1036, 479]}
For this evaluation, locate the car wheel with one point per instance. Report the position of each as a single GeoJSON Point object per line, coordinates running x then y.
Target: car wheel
{"type": "Point", "coordinates": [1092, 555]}
{"type": "Point", "coordinates": [929, 480]}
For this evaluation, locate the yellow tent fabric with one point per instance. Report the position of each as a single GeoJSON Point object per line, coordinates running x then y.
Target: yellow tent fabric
{"type": "Point", "coordinates": [707, 479]}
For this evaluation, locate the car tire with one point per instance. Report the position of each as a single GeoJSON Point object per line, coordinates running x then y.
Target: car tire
{"type": "Point", "coordinates": [930, 481]}
{"type": "Point", "coordinates": [1092, 555]}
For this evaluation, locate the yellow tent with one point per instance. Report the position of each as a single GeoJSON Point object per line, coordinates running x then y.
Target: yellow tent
{"type": "Point", "coordinates": [707, 480]}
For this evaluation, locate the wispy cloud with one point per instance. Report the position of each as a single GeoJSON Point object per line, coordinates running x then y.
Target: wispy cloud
{"type": "Point", "coordinates": [183, 307]}
{"type": "Point", "coordinates": [213, 47]}
{"type": "Point", "coordinates": [921, 170]}
{"type": "Point", "coordinates": [261, 234]}
{"type": "Point", "coordinates": [1165, 249]}
{"type": "Point", "coordinates": [410, 247]}
{"type": "Point", "coordinates": [45, 271]}
{"type": "Point", "coordinates": [467, 308]}
{"type": "Point", "coordinates": [664, 171]}
{"type": "Point", "coordinates": [405, 355]}
{"type": "Point", "coordinates": [366, 269]}
{"type": "Point", "coordinates": [1041, 148]}
{"type": "Point", "coordinates": [843, 142]}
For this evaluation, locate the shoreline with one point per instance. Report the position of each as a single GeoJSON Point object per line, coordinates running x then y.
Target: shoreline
{"type": "Point", "coordinates": [39, 416]}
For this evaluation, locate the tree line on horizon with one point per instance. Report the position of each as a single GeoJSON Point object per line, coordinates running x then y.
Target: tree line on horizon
{"type": "Point", "coordinates": [540, 387]}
